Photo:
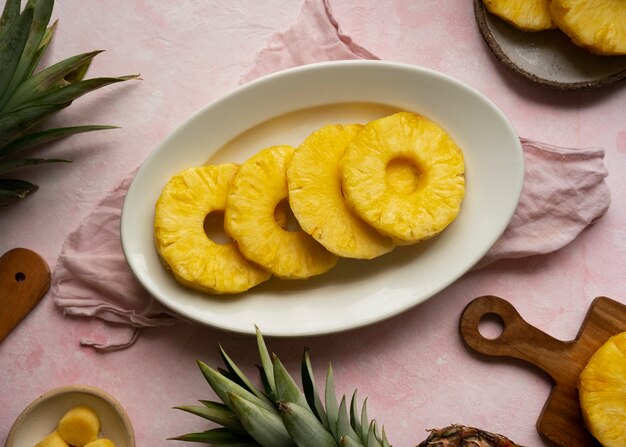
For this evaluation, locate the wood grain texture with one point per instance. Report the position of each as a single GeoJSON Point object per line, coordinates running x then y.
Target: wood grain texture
{"type": "Point", "coordinates": [561, 419]}
{"type": "Point", "coordinates": [24, 280]}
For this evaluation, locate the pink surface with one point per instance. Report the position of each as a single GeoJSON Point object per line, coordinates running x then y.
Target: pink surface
{"type": "Point", "coordinates": [414, 368]}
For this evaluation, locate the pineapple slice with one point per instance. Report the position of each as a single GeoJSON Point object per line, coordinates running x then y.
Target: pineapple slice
{"type": "Point", "coordinates": [404, 176]}
{"type": "Point", "coordinates": [79, 426]}
{"type": "Point", "coordinates": [527, 15]}
{"type": "Point", "coordinates": [196, 260]}
{"type": "Point", "coordinates": [54, 439]}
{"type": "Point", "coordinates": [315, 196]}
{"type": "Point", "coordinates": [101, 442]}
{"type": "Point", "coordinates": [602, 392]}
{"type": "Point", "coordinates": [597, 25]}
{"type": "Point", "coordinates": [254, 200]}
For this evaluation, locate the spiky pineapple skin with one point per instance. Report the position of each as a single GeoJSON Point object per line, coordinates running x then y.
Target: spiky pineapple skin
{"type": "Point", "coordinates": [316, 198]}
{"type": "Point", "coordinates": [463, 436]}
{"type": "Point", "coordinates": [195, 260]}
{"type": "Point", "coordinates": [527, 15]}
{"type": "Point", "coordinates": [259, 187]}
{"type": "Point", "coordinates": [602, 392]}
{"type": "Point", "coordinates": [597, 25]}
{"type": "Point", "coordinates": [404, 176]}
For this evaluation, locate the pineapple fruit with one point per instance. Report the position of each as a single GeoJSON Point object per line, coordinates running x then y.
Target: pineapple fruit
{"type": "Point", "coordinates": [597, 25]}
{"type": "Point", "coordinates": [54, 439]}
{"type": "Point", "coordinates": [28, 98]}
{"type": "Point", "coordinates": [404, 176]}
{"type": "Point", "coordinates": [527, 15]}
{"type": "Point", "coordinates": [280, 415]}
{"type": "Point", "coordinates": [79, 426]}
{"type": "Point", "coordinates": [461, 436]}
{"type": "Point", "coordinates": [316, 198]}
{"type": "Point", "coordinates": [195, 260]}
{"type": "Point", "coordinates": [258, 188]}
{"type": "Point", "coordinates": [355, 191]}
{"type": "Point", "coordinates": [101, 442]}
{"type": "Point", "coordinates": [602, 392]}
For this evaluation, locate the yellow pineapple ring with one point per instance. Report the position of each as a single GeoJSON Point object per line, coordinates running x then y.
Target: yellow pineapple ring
{"type": "Point", "coordinates": [527, 15]}
{"type": "Point", "coordinates": [404, 175]}
{"type": "Point", "coordinates": [257, 192]}
{"type": "Point", "coordinates": [602, 392]}
{"type": "Point", "coordinates": [597, 25]}
{"type": "Point", "coordinates": [314, 180]}
{"type": "Point", "coordinates": [195, 260]}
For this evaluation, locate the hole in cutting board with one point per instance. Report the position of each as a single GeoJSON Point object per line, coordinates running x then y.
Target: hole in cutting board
{"type": "Point", "coordinates": [20, 277]}
{"type": "Point", "coordinates": [491, 326]}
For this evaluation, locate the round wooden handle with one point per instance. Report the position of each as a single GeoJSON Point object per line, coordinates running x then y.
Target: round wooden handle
{"type": "Point", "coordinates": [518, 339]}
{"type": "Point", "coordinates": [24, 280]}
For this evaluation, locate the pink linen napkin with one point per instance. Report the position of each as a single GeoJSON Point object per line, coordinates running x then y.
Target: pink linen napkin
{"type": "Point", "coordinates": [564, 192]}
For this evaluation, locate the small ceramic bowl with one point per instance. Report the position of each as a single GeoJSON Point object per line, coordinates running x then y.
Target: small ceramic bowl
{"type": "Point", "coordinates": [41, 417]}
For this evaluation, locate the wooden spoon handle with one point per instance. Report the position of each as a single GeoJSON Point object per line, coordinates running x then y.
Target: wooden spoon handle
{"type": "Point", "coordinates": [518, 339]}
{"type": "Point", "coordinates": [24, 280]}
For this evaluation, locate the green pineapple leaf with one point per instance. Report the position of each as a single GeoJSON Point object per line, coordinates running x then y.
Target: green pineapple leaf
{"type": "Point", "coordinates": [332, 410]}
{"type": "Point", "coordinates": [17, 123]}
{"type": "Point", "coordinates": [216, 436]}
{"type": "Point", "coordinates": [11, 47]}
{"type": "Point", "coordinates": [17, 163]}
{"type": "Point", "coordinates": [310, 390]}
{"type": "Point", "coordinates": [305, 429]}
{"type": "Point", "coordinates": [266, 427]}
{"type": "Point", "coordinates": [51, 77]}
{"type": "Point", "coordinates": [47, 136]}
{"type": "Point", "coordinates": [42, 10]}
{"type": "Point", "coordinates": [355, 419]}
{"type": "Point", "coordinates": [372, 441]}
{"type": "Point", "coordinates": [343, 422]}
{"type": "Point", "coordinates": [16, 188]}
{"type": "Point", "coordinates": [224, 388]}
{"type": "Point", "coordinates": [218, 413]}
{"type": "Point", "coordinates": [364, 422]}
{"type": "Point", "coordinates": [235, 371]}
{"type": "Point", "coordinates": [286, 388]}
{"type": "Point", "coordinates": [10, 13]}
{"type": "Point", "coordinates": [266, 361]}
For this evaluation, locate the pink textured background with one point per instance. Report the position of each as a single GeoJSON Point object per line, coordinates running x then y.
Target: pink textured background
{"type": "Point", "coordinates": [414, 367]}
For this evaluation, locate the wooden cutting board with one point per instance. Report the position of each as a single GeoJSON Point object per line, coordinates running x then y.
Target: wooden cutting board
{"type": "Point", "coordinates": [561, 419]}
{"type": "Point", "coordinates": [24, 280]}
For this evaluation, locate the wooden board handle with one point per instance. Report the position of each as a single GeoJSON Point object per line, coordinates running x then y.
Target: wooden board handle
{"type": "Point", "coordinates": [518, 339]}
{"type": "Point", "coordinates": [24, 280]}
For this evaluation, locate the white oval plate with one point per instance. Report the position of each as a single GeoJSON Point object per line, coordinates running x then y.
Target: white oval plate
{"type": "Point", "coordinates": [354, 293]}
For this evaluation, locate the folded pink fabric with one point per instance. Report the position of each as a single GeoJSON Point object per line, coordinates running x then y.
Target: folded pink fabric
{"type": "Point", "coordinates": [564, 192]}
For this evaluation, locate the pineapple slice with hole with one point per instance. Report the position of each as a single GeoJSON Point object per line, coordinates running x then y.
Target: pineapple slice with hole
{"type": "Point", "coordinates": [196, 255]}
{"type": "Point", "coordinates": [54, 439]}
{"type": "Point", "coordinates": [527, 15]}
{"type": "Point", "coordinates": [404, 175]}
{"type": "Point", "coordinates": [316, 198]}
{"type": "Point", "coordinates": [79, 426]}
{"type": "Point", "coordinates": [253, 218]}
{"type": "Point", "coordinates": [602, 392]}
{"type": "Point", "coordinates": [597, 25]}
{"type": "Point", "coordinates": [101, 442]}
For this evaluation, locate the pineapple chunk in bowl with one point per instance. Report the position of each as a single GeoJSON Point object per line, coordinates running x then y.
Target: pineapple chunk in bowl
{"type": "Point", "coordinates": [284, 108]}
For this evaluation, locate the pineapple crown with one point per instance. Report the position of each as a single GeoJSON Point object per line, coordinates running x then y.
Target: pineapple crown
{"type": "Point", "coordinates": [27, 99]}
{"type": "Point", "coordinates": [280, 415]}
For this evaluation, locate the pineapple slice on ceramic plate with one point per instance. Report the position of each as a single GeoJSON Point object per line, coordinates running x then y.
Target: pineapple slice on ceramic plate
{"type": "Point", "coordinates": [602, 392]}
{"type": "Point", "coordinates": [404, 175]}
{"type": "Point", "coordinates": [597, 25]}
{"type": "Point", "coordinates": [185, 248]}
{"type": "Point", "coordinates": [527, 15]}
{"type": "Point", "coordinates": [316, 198]}
{"type": "Point", "coordinates": [255, 218]}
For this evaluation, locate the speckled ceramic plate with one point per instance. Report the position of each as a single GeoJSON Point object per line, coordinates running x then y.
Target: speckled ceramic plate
{"type": "Point", "coordinates": [547, 57]}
